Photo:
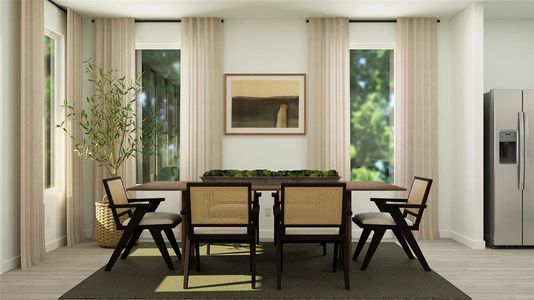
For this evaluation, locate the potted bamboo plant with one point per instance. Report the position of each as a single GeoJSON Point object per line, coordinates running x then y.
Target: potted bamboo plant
{"type": "Point", "coordinates": [110, 133]}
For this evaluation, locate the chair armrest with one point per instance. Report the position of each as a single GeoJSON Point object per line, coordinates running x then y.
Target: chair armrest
{"type": "Point", "coordinates": [146, 199]}
{"type": "Point", "coordinates": [130, 205]}
{"type": "Point", "coordinates": [389, 200]}
{"type": "Point", "coordinates": [404, 205]}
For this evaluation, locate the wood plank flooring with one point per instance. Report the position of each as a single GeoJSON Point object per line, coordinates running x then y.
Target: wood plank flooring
{"type": "Point", "coordinates": [482, 274]}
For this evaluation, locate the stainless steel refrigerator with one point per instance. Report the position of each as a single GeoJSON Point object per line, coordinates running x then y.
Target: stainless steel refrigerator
{"type": "Point", "coordinates": [509, 168]}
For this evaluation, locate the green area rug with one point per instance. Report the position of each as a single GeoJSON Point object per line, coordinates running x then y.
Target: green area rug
{"type": "Point", "coordinates": [225, 275]}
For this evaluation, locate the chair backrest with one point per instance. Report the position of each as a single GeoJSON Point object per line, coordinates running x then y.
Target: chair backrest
{"type": "Point", "coordinates": [116, 195]}
{"type": "Point", "coordinates": [218, 204]}
{"type": "Point", "coordinates": [419, 193]}
{"type": "Point", "coordinates": [307, 204]}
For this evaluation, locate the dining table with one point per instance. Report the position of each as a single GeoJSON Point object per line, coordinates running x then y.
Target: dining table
{"type": "Point", "coordinates": [351, 186]}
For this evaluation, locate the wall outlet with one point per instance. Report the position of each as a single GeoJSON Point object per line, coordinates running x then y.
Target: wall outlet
{"type": "Point", "coordinates": [268, 212]}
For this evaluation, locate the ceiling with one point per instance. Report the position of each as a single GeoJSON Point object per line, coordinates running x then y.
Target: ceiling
{"type": "Point", "coordinates": [162, 9]}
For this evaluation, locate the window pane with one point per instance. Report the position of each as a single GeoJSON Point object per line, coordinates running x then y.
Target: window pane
{"type": "Point", "coordinates": [371, 102]}
{"type": "Point", "coordinates": [160, 95]}
{"type": "Point", "coordinates": [50, 52]}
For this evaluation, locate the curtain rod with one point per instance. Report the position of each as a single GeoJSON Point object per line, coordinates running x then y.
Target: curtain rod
{"type": "Point", "coordinates": [372, 21]}
{"type": "Point", "coordinates": [157, 20]}
{"type": "Point", "coordinates": [58, 6]}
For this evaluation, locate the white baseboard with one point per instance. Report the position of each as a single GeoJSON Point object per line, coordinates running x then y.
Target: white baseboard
{"type": "Point", "coordinates": [10, 264]}
{"type": "Point", "coordinates": [53, 245]}
{"type": "Point", "coordinates": [462, 239]}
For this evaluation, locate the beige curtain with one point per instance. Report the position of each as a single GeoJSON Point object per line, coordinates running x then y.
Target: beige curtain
{"type": "Point", "coordinates": [73, 164]}
{"type": "Point", "coordinates": [32, 233]}
{"type": "Point", "coordinates": [201, 97]}
{"type": "Point", "coordinates": [329, 95]}
{"type": "Point", "coordinates": [416, 123]}
{"type": "Point", "coordinates": [115, 49]}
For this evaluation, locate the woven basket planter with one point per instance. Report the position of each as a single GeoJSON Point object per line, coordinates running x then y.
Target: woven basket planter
{"type": "Point", "coordinates": [106, 234]}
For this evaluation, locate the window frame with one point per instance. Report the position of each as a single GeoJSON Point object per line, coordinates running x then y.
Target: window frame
{"type": "Point", "coordinates": [58, 138]}
{"type": "Point", "coordinates": [376, 46]}
{"type": "Point", "coordinates": [140, 46]}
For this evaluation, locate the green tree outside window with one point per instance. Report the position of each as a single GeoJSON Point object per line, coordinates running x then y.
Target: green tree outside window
{"type": "Point", "coordinates": [371, 104]}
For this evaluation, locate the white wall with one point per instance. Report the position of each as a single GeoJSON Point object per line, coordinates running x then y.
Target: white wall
{"type": "Point", "coordinates": [466, 123]}
{"type": "Point", "coordinates": [9, 135]}
{"type": "Point", "coordinates": [445, 120]}
{"type": "Point", "coordinates": [265, 46]}
{"type": "Point", "coordinates": [55, 22]}
{"type": "Point", "coordinates": [508, 54]}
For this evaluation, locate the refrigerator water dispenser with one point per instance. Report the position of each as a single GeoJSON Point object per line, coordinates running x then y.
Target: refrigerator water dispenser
{"type": "Point", "coordinates": [508, 147]}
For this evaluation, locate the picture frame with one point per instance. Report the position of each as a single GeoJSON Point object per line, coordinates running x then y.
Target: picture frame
{"type": "Point", "coordinates": [265, 104]}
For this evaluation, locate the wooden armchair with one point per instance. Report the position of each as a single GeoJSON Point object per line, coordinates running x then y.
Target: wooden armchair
{"type": "Point", "coordinates": [401, 222]}
{"type": "Point", "coordinates": [142, 215]}
{"type": "Point", "coordinates": [220, 213]}
{"type": "Point", "coordinates": [313, 213]}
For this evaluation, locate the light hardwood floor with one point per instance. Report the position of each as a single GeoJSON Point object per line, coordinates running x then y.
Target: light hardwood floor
{"type": "Point", "coordinates": [482, 274]}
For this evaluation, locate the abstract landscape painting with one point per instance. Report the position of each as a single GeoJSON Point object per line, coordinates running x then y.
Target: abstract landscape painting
{"type": "Point", "coordinates": [265, 103]}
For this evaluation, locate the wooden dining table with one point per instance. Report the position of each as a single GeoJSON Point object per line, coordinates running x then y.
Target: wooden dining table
{"type": "Point", "coordinates": [351, 186]}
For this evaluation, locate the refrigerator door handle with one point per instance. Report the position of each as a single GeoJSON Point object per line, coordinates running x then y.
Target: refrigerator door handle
{"type": "Point", "coordinates": [525, 143]}
{"type": "Point", "coordinates": [521, 116]}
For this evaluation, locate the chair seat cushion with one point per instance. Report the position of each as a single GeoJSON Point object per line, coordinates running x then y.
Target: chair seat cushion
{"type": "Point", "coordinates": [156, 218]}
{"type": "Point", "coordinates": [377, 218]}
{"type": "Point", "coordinates": [220, 230]}
{"type": "Point", "coordinates": [312, 231]}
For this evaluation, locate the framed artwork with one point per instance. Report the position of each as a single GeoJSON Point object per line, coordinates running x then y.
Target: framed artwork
{"type": "Point", "coordinates": [265, 104]}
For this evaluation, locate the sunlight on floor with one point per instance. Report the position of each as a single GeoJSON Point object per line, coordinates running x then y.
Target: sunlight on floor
{"type": "Point", "coordinates": [209, 283]}
{"type": "Point", "coordinates": [218, 249]}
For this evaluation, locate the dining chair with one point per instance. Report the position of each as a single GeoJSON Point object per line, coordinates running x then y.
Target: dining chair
{"type": "Point", "coordinates": [256, 200]}
{"type": "Point", "coordinates": [312, 213]}
{"type": "Point", "coordinates": [402, 216]}
{"type": "Point", "coordinates": [219, 213]}
{"type": "Point", "coordinates": [141, 215]}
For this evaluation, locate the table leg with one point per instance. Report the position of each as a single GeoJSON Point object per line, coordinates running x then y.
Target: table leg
{"type": "Point", "coordinates": [348, 229]}
{"type": "Point", "coordinates": [184, 226]}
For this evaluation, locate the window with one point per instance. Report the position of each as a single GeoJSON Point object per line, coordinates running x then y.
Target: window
{"type": "Point", "coordinates": [160, 95]}
{"type": "Point", "coordinates": [50, 95]}
{"type": "Point", "coordinates": [371, 104]}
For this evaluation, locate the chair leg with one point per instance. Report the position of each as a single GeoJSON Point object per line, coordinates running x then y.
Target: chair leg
{"type": "Point", "coordinates": [335, 256]}
{"type": "Point", "coordinates": [363, 238]}
{"type": "Point", "coordinates": [324, 248]}
{"type": "Point", "coordinates": [197, 252]}
{"type": "Point", "coordinates": [346, 262]}
{"type": "Point", "coordinates": [415, 247]}
{"type": "Point", "coordinates": [279, 265]}
{"type": "Point", "coordinates": [156, 234]}
{"type": "Point", "coordinates": [128, 232]}
{"type": "Point", "coordinates": [257, 230]}
{"type": "Point", "coordinates": [208, 249]}
{"type": "Point", "coordinates": [377, 237]}
{"type": "Point", "coordinates": [253, 263]}
{"type": "Point", "coordinates": [281, 258]}
{"type": "Point", "coordinates": [187, 259]}
{"type": "Point", "coordinates": [403, 243]}
{"type": "Point", "coordinates": [131, 243]}
{"type": "Point", "coordinates": [172, 241]}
